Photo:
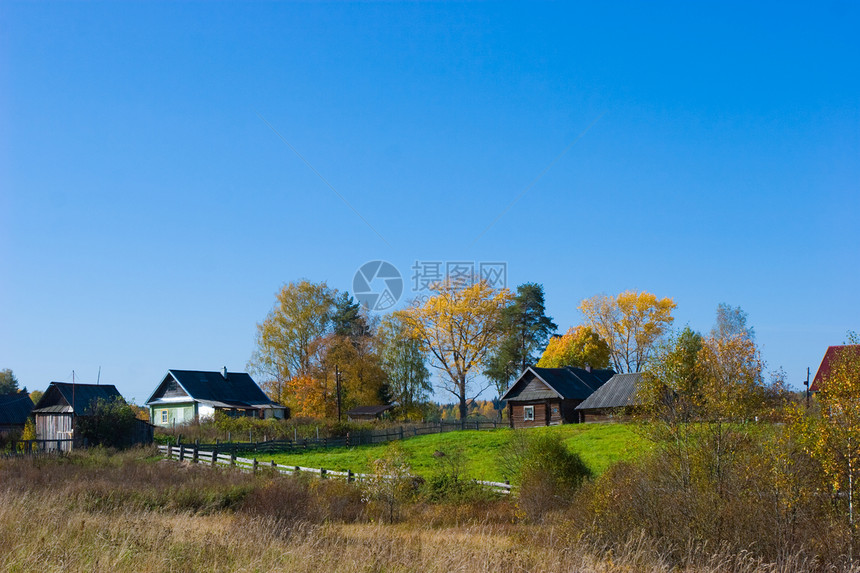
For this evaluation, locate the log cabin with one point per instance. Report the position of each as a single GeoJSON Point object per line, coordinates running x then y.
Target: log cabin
{"type": "Point", "coordinates": [549, 396]}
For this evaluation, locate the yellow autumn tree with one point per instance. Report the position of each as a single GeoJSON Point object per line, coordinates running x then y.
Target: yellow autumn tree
{"type": "Point", "coordinates": [458, 327]}
{"type": "Point", "coordinates": [631, 323]}
{"type": "Point", "coordinates": [288, 339]}
{"type": "Point", "coordinates": [834, 438]}
{"type": "Point", "coordinates": [579, 347]}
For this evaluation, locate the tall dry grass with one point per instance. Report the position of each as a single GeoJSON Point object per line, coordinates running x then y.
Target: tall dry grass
{"type": "Point", "coordinates": [100, 512]}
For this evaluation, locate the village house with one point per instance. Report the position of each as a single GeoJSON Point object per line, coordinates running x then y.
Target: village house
{"type": "Point", "coordinates": [549, 396]}
{"type": "Point", "coordinates": [15, 408]}
{"type": "Point", "coordinates": [830, 357]}
{"type": "Point", "coordinates": [63, 403]}
{"type": "Point", "coordinates": [188, 396]}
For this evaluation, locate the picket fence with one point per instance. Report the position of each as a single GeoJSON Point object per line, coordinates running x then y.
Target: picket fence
{"type": "Point", "coordinates": [193, 454]}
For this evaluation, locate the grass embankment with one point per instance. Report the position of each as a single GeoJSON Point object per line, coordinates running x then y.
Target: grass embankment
{"type": "Point", "coordinates": [599, 445]}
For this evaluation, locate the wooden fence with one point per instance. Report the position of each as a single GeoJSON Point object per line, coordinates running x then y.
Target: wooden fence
{"type": "Point", "coordinates": [214, 458]}
{"type": "Point", "coordinates": [358, 438]}
{"type": "Point", "coordinates": [32, 447]}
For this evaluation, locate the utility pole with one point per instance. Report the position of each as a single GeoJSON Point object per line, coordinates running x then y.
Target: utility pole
{"type": "Point", "coordinates": [337, 389]}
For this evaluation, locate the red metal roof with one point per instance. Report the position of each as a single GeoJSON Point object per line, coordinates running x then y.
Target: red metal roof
{"type": "Point", "coordinates": [833, 353]}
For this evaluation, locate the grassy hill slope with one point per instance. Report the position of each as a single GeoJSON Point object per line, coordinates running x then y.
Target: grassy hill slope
{"type": "Point", "coordinates": [600, 445]}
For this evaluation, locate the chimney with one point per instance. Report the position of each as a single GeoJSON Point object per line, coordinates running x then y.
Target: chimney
{"type": "Point", "coordinates": [588, 367]}
{"type": "Point", "coordinates": [224, 373]}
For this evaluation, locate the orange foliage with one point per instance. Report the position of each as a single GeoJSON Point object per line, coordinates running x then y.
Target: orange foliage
{"type": "Point", "coordinates": [306, 397]}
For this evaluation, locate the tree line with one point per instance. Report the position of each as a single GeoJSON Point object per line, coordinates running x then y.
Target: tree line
{"type": "Point", "coordinates": [320, 353]}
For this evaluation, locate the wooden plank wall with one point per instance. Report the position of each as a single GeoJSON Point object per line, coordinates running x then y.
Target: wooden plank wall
{"type": "Point", "coordinates": [54, 427]}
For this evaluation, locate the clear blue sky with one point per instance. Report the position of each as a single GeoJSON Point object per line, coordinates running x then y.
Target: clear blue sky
{"type": "Point", "coordinates": [148, 214]}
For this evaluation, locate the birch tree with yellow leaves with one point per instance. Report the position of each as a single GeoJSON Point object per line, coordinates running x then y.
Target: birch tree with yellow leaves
{"type": "Point", "coordinates": [458, 327]}
{"type": "Point", "coordinates": [834, 438]}
{"type": "Point", "coordinates": [631, 323]}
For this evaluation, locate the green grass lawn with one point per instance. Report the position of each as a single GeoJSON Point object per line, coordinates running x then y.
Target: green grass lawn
{"type": "Point", "coordinates": [599, 445]}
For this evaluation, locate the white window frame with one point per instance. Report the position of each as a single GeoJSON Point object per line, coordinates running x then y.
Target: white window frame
{"type": "Point", "coordinates": [528, 413]}
{"type": "Point", "coordinates": [165, 417]}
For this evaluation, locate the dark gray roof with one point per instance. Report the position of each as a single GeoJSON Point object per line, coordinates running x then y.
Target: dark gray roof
{"type": "Point", "coordinates": [368, 410]}
{"type": "Point", "coordinates": [59, 396]}
{"type": "Point", "coordinates": [14, 408]}
{"type": "Point", "coordinates": [619, 392]}
{"type": "Point", "coordinates": [568, 383]}
{"type": "Point", "coordinates": [237, 390]}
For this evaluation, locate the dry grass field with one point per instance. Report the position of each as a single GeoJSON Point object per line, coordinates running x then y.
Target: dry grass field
{"type": "Point", "coordinates": [131, 512]}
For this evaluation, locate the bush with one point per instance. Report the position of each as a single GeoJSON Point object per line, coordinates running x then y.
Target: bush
{"type": "Point", "coordinates": [760, 499]}
{"type": "Point", "coordinates": [392, 484]}
{"type": "Point", "coordinates": [547, 472]}
{"type": "Point", "coordinates": [112, 424]}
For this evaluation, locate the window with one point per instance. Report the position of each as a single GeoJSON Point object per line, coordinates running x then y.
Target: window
{"type": "Point", "coordinates": [164, 417]}
{"type": "Point", "coordinates": [528, 413]}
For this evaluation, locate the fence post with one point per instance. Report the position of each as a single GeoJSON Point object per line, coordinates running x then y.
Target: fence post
{"type": "Point", "coordinates": [214, 456]}
{"type": "Point", "coordinates": [254, 469]}
{"type": "Point", "coordinates": [181, 452]}
{"type": "Point", "coordinates": [274, 465]}
{"type": "Point", "coordinates": [477, 425]}
{"type": "Point", "coordinates": [349, 477]}
{"type": "Point", "coordinates": [401, 432]}
{"type": "Point", "coordinates": [297, 470]}
{"type": "Point", "coordinates": [169, 451]}
{"type": "Point", "coordinates": [233, 458]}
{"type": "Point", "coordinates": [195, 457]}
{"type": "Point", "coordinates": [322, 473]}
{"type": "Point", "coordinates": [229, 437]}
{"type": "Point", "coordinates": [59, 446]}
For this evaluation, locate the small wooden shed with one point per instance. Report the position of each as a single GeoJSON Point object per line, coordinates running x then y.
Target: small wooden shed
{"type": "Point", "coordinates": [615, 399]}
{"type": "Point", "coordinates": [63, 402]}
{"type": "Point", "coordinates": [366, 413]}
{"type": "Point", "coordinates": [549, 396]}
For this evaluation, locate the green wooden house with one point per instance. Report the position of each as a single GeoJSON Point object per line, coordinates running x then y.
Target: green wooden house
{"type": "Point", "coordinates": [188, 396]}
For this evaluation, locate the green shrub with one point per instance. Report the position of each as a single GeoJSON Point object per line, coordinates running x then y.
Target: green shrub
{"type": "Point", "coordinates": [547, 472]}
{"type": "Point", "coordinates": [111, 423]}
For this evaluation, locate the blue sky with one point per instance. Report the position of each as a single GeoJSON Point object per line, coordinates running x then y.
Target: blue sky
{"type": "Point", "coordinates": [148, 214]}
